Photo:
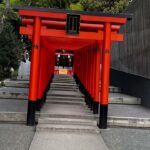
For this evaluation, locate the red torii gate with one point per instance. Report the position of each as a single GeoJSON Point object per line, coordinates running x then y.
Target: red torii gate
{"type": "Point", "coordinates": [46, 28]}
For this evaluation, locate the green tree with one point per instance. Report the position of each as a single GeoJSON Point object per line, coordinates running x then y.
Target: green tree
{"type": "Point", "coordinates": [10, 43]}
{"type": "Point", "coordinates": [113, 6]}
{"type": "Point", "coordinates": [76, 6]}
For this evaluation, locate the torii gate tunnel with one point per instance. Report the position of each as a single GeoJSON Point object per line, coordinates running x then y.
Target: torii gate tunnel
{"type": "Point", "coordinates": [89, 35]}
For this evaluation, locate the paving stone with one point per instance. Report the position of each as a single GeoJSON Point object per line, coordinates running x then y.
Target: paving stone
{"type": "Point", "coordinates": [119, 98]}
{"type": "Point", "coordinates": [13, 93]}
{"type": "Point", "coordinates": [128, 111]}
{"type": "Point", "coordinates": [13, 105]}
{"type": "Point", "coordinates": [67, 141]}
{"type": "Point", "coordinates": [15, 136]}
{"type": "Point", "coordinates": [13, 90]}
{"type": "Point", "coordinates": [126, 138]}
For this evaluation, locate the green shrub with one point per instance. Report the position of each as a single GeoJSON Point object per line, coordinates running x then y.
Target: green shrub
{"type": "Point", "coordinates": [10, 43]}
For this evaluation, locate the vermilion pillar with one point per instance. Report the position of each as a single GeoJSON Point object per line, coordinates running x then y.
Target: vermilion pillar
{"type": "Point", "coordinates": [97, 79]}
{"type": "Point", "coordinates": [105, 76]}
{"type": "Point", "coordinates": [34, 72]}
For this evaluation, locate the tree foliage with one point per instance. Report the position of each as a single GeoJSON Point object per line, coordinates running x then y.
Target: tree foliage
{"type": "Point", "coordinates": [76, 6]}
{"type": "Point", "coordinates": [113, 6]}
{"type": "Point", "coordinates": [10, 43]}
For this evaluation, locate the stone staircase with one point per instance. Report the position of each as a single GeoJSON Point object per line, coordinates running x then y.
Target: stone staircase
{"type": "Point", "coordinates": [66, 109]}
{"type": "Point", "coordinates": [124, 110]}
{"type": "Point", "coordinates": [66, 120]}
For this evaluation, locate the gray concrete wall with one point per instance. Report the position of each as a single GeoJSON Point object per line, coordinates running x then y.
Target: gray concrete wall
{"type": "Point", "coordinates": [132, 85]}
{"type": "Point", "coordinates": [130, 61]}
{"type": "Point", "coordinates": [133, 55]}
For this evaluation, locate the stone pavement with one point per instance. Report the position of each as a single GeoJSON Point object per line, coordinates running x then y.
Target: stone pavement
{"type": "Point", "coordinates": [66, 117]}
{"type": "Point", "coordinates": [15, 136]}
{"type": "Point", "coordinates": [126, 139]}
{"type": "Point", "coordinates": [124, 110]}
{"type": "Point", "coordinates": [67, 141]}
{"type": "Point", "coordinates": [67, 126]}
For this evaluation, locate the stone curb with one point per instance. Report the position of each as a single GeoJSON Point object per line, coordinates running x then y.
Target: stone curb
{"type": "Point", "coordinates": [128, 101]}
{"type": "Point", "coordinates": [17, 117]}
{"type": "Point", "coordinates": [17, 95]}
{"type": "Point", "coordinates": [15, 83]}
{"type": "Point", "coordinates": [12, 117]}
{"type": "Point", "coordinates": [133, 122]}
{"type": "Point", "coordinates": [112, 120]}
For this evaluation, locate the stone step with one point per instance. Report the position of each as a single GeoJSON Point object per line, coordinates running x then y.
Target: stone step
{"type": "Point", "coordinates": [12, 117]}
{"type": "Point", "coordinates": [113, 121]}
{"type": "Point", "coordinates": [21, 93]}
{"type": "Point", "coordinates": [69, 79]}
{"type": "Point", "coordinates": [112, 100]}
{"type": "Point", "coordinates": [14, 96]}
{"type": "Point", "coordinates": [14, 92]}
{"type": "Point", "coordinates": [67, 121]}
{"type": "Point", "coordinates": [63, 89]}
{"type": "Point", "coordinates": [133, 122]}
{"type": "Point", "coordinates": [64, 80]}
{"type": "Point", "coordinates": [129, 101]}
{"type": "Point", "coordinates": [129, 115]}
{"type": "Point", "coordinates": [65, 98]}
{"type": "Point", "coordinates": [23, 78]}
{"type": "Point", "coordinates": [113, 89]}
{"type": "Point", "coordinates": [63, 76]}
{"type": "Point", "coordinates": [16, 83]}
{"type": "Point", "coordinates": [119, 98]}
{"type": "Point", "coordinates": [64, 84]}
{"type": "Point", "coordinates": [60, 108]}
{"type": "Point", "coordinates": [70, 116]}
{"type": "Point", "coordinates": [65, 93]}
{"type": "Point", "coordinates": [65, 102]}
{"type": "Point", "coordinates": [67, 128]}
{"type": "Point", "coordinates": [70, 88]}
